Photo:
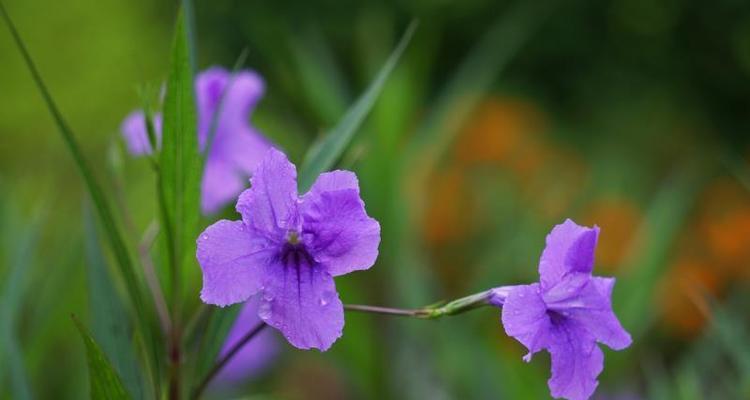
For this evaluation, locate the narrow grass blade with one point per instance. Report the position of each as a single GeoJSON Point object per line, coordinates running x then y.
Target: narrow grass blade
{"type": "Point", "coordinates": [189, 17]}
{"type": "Point", "coordinates": [180, 161]}
{"type": "Point", "coordinates": [212, 338]}
{"type": "Point", "coordinates": [320, 78]}
{"type": "Point", "coordinates": [733, 337]}
{"type": "Point", "coordinates": [687, 383]}
{"type": "Point", "coordinates": [103, 380]}
{"type": "Point", "coordinates": [103, 207]}
{"type": "Point", "coordinates": [474, 77]}
{"type": "Point", "coordinates": [110, 326]}
{"type": "Point", "coordinates": [324, 154]}
{"type": "Point", "coordinates": [648, 260]}
{"type": "Point", "coordinates": [20, 250]}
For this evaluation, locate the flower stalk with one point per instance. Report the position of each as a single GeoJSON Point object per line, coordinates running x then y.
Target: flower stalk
{"type": "Point", "coordinates": [438, 310]}
{"type": "Point", "coordinates": [226, 358]}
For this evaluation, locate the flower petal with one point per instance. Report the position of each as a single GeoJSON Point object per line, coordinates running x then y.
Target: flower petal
{"type": "Point", "coordinates": [525, 318]}
{"type": "Point", "coordinates": [245, 89]}
{"type": "Point", "coordinates": [233, 259]}
{"type": "Point", "coordinates": [597, 316]}
{"type": "Point", "coordinates": [209, 90]}
{"type": "Point", "coordinates": [270, 205]}
{"type": "Point", "coordinates": [133, 129]}
{"type": "Point", "coordinates": [576, 362]}
{"type": "Point", "coordinates": [255, 355]}
{"type": "Point", "coordinates": [244, 148]}
{"type": "Point", "coordinates": [334, 180]}
{"type": "Point", "coordinates": [301, 301]}
{"type": "Point", "coordinates": [220, 185]}
{"type": "Point", "coordinates": [570, 248]}
{"type": "Point", "coordinates": [588, 300]}
{"type": "Point", "coordinates": [566, 292]}
{"type": "Point", "coordinates": [336, 229]}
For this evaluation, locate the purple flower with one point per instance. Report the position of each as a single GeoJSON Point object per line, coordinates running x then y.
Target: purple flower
{"type": "Point", "coordinates": [256, 355]}
{"type": "Point", "coordinates": [133, 129]}
{"type": "Point", "coordinates": [287, 249]}
{"type": "Point", "coordinates": [236, 147]}
{"type": "Point", "coordinates": [566, 313]}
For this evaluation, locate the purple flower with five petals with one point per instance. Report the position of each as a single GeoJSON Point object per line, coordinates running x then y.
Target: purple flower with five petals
{"type": "Point", "coordinates": [566, 313]}
{"type": "Point", "coordinates": [287, 250]}
{"type": "Point", "coordinates": [236, 147]}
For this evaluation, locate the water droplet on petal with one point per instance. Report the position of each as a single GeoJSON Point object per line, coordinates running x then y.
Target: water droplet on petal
{"type": "Point", "coordinates": [326, 298]}
{"type": "Point", "coordinates": [204, 237]}
{"type": "Point", "coordinates": [522, 294]}
{"type": "Point", "coordinates": [264, 311]}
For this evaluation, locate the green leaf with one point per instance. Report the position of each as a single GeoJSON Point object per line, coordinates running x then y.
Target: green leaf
{"type": "Point", "coordinates": [321, 80]}
{"type": "Point", "coordinates": [180, 160]}
{"type": "Point", "coordinates": [103, 207]}
{"type": "Point", "coordinates": [733, 338]}
{"type": "Point", "coordinates": [111, 327]}
{"type": "Point", "coordinates": [189, 22]}
{"type": "Point", "coordinates": [648, 259]}
{"type": "Point", "coordinates": [324, 154]}
{"type": "Point", "coordinates": [211, 338]}
{"type": "Point", "coordinates": [474, 77]}
{"type": "Point", "coordinates": [103, 380]}
{"type": "Point", "coordinates": [21, 247]}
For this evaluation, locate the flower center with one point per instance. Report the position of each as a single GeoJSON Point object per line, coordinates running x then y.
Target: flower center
{"type": "Point", "coordinates": [294, 253]}
{"type": "Point", "coordinates": [555, 317]}
{"type": "Point", "coordinates": [293, 238]}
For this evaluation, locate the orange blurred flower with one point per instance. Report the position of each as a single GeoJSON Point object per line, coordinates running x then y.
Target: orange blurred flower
{"type": "Point", "coordinates": [449, 208]}
{"type": "Point", "coordinates": [683, 294]}
{"type": "Point", "coordinates": [503, 132]}
{"type": "Point", "coordinates": [619, 218]}
{"type": "Point", "coordinates": [554, 187]}
{"type": "Point", "coordinates": [717, 245]}
{"type": "Point", "coordinates": [725, 224]}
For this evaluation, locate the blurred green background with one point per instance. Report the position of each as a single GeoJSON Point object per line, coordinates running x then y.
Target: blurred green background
{"type": "Point", "coordinates": [501, 120]}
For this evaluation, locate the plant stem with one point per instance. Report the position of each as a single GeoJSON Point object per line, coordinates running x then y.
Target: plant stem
{"type": "Point", "coordinates": [494, 296]}
{"type": "Point", "coordinates": [149, 273]}
{"type": "Point", "coordinates": [175, 358]}
{"type": "Point", "coordinates": [401, 312]}
{"type": "Point", "coordinates": [226, 358]}
{"type": "Point", "coordinates": [488, 297]}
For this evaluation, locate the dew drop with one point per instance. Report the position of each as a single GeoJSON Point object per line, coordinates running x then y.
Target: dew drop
{"type": "Point", "coordinates": [264, 311]}
{"type": "Point", "coordinates": [522, 294]}
{"type": "Point", "coordinates": [325, 298]}
{"type": "Point", "coordinates": [204, 237]}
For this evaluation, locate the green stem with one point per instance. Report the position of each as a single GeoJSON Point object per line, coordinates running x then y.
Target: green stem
{"type": "Point", "coordinates": [458, 306]}
{"type": "Point", "coordinates": [149, 273]}
{"type": "Point", "coordinates": [226, 358]}
{"type": "Point", "coordinates": [454, 307]}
